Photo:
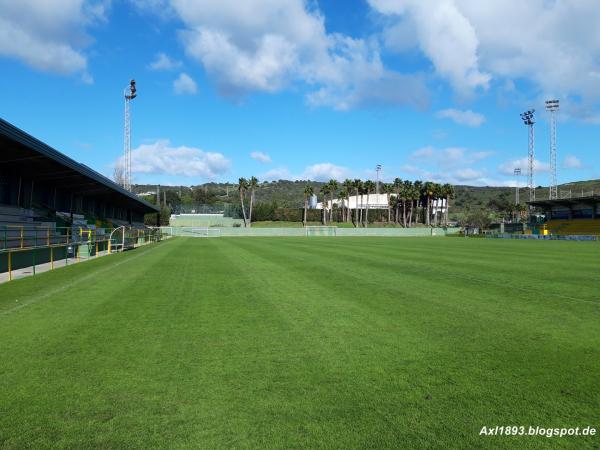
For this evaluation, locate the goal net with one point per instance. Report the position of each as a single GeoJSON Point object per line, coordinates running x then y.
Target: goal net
{"type": "Point", "coordinates": [320, 231]}
{"type": "Point", "coordinates": [200, 232]}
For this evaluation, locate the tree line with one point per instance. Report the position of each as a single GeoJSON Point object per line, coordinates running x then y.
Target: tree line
{"type": "Point", "coordinates": [407, 202]}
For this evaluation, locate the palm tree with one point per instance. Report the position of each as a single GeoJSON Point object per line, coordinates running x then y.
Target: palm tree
{"type": "Point", "coordinates": [417, 190]}
{"type": "Point", "coordinates": [252, 185]}
{"type": "Point", "coordinates": [397, 188]}
{"type": "Point", "coordinates": [389, 189]}
{"type": "Point", "coordinates": [369, 186]}
{"type": "Point", "coordinates": [242, 186]}
{"type": "Point", "coordinates": [432, 204]}
{"type": "Point", "coordinates": [522, 211]}
{"type": "Point", "coordinates": [348, 185]}
{"type": "Point", "coordinates": [333, 187]}
{"type": "Point", "coordinates": [427, 193]}
{"type": "Point", "coordinates": [325, 190]}
{"type": "Point", "coordinates": [408, 196]}
{"type": "Point", "coordinates": [448, 191]}
{"type": "Point", "coordinates": [348, 210]}
{"type": "Point", "coordinates": [308, 192]}
{"type": "Point", "coordinates": [343, 196]}
{"type": "Point", "coordinates": [357, 184]}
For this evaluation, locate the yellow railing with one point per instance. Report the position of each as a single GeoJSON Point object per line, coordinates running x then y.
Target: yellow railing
{"type": "Point", "coordinates": [78, 243]}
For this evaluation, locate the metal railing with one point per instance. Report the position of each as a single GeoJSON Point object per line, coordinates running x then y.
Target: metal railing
{"type": "Point", "coordinates": [24, 247]}
{"type": "Point", "coordinates": [577, 194]}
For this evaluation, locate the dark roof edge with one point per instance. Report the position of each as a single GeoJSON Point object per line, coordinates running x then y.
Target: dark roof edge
{"type": "Point", "coordinates": [26, 139]}
{"type": "Point", "coordinates": [572, 200]}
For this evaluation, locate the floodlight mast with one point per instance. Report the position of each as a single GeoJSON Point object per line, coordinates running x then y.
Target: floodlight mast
{"type": "Point", "coordinates": [130, 93]}
{"type": "Point", "coordinates": [378, 170]}
{"type": "Point", "coordinates": [517, 173]}
{"type": "Point", "coordinates": [528, 120]}
{"type": "Point", "coordinates": [552, 106]}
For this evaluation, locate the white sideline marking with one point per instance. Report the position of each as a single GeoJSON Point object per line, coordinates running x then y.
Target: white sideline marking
{"type": "Point", "coordinates": [73, 283]}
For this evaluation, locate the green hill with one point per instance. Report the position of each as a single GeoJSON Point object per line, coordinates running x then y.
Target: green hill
{"type": "Point", "coordinates": [290, 193]}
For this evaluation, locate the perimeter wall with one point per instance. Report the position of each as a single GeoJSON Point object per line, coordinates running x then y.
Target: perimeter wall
{"type": "Point", "coordinates": [391, 232]}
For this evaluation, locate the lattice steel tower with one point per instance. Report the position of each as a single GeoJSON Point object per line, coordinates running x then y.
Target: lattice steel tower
{"type": "Point", "coordinates": [529, 121]}
{"type": "Point", "coordinates": [517, 173]}
{"type": "Point", "coordinates": [130, 93]}
{"type": "Point", "coordinates": [552, 106]}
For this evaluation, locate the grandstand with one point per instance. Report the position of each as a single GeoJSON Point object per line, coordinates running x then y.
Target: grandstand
{"type": "Point", "coordinates": [575, 227]}
{"type": "Point", "coordinates": [39, 184]}
{"type": "Point", "coordinates": [571, 216]}
{"type": "Point", "coordinates": [47, 199]}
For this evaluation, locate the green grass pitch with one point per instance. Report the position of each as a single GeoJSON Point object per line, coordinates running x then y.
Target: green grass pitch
{"type": "Point", "coordinates": [305, 343]}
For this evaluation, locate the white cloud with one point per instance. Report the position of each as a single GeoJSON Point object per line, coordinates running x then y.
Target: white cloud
{"type": "Point", "coordinates": [388, 90]}
{"type": "Point", "coordinates": [161, 157]}
{"type": "Point", "coordinates": [554, 44]}
{"type": "Point", "coordinates": [463, 176]}
{"type": "Point", "coordinates": [164, 62]}
{"type": "Point", "coordinates": [260, 156]}
{"type": "Point", "coordinates": [287, 43]}
{"type": "Point", "coordinates": [468, 174]}
{"type": "Point", "coordinates": [324, 172]}
{"type": "Point", "coordinates": [185, 85]}
{"type": "Point", "coordinates": [454, 165]}
{"type": "Point", "coordinates": [423, 153]}
{"type": "Point", "coordinates": [509, 167]}
{"type": "Point", "coordinates": [49, 36]}
{"type": "Point", "coordinates": [314, 172]}
{"type": "Point", "coordinates": [279, 173]}
{"type": "Point", "coordinates": [468, 117]}
{"type": "Point", "coordinates": [444, 35]}
{"type": "Point", "coordinates": [572, 162]}
{"type": "Point", "coordinates": [161, 7]}
{"type": "Point", "coordinates": [448, 157]}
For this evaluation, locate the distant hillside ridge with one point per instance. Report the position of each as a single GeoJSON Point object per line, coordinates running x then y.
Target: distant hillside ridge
{"type": "Point", "coordinates": [290, 194]}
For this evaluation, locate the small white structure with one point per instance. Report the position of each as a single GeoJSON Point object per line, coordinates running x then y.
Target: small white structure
{"type": "Point", "coordinates": [438, 206]}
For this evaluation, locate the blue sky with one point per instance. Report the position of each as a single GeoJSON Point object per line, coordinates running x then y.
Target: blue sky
{"type": "Point", "coordinates": [306, 89]}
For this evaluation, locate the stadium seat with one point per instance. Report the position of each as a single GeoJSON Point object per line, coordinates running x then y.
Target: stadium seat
{"type": "Point", "coordinates": [574, 227]}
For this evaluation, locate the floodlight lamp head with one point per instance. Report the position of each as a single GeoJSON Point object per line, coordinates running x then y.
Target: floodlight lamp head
{"type": "Point", "coordinates": [131, 93]}
{"type": "Point", "coordinates": [552, 105]}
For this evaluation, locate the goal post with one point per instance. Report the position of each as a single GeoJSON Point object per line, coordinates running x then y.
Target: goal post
{"type": "Point", "coordinates": [313, 230]}
{"type": "Point", "coordinates": [200, 232]}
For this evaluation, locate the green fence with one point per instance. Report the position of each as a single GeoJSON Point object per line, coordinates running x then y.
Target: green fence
{"type": "Point", "coordinates": [203, 220]}
{"type": "Point", "coordinates": [382, 232]}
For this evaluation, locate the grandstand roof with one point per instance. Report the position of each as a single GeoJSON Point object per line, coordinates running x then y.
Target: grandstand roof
{"type": "Point", "coordinates": [590, 199]}
{"type": "Point", "coordinates": [38, 161]}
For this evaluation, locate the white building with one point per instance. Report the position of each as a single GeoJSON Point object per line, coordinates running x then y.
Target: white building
{"type": "Point", "coordinates": [376, 201]}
